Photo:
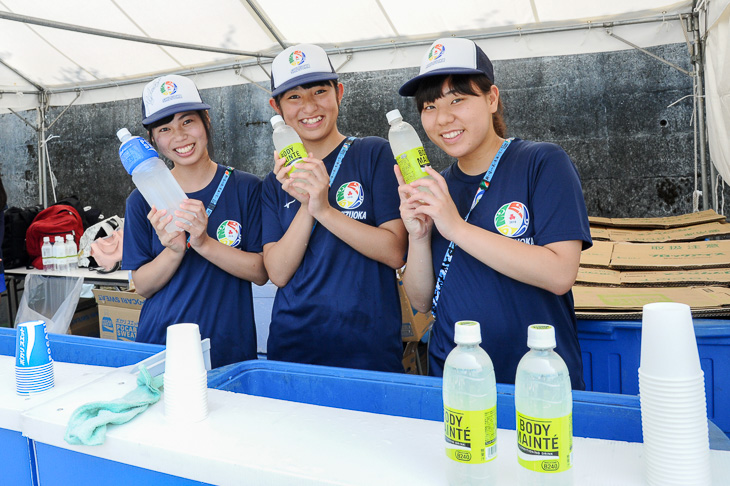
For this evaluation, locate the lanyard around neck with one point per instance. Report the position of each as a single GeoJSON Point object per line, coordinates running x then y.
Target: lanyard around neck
{"type": "Point", "coordinates": [336, 167]}
{"type": "Point", "coordinates": [214, 199]}
{"type": "Point", "coordinates": [483, 188]}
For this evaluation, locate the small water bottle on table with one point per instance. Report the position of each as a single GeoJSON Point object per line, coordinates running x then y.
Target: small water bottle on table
{"type": "Point", "coordinates": [72, 252]}
{"type": "Point", "coordinates": [151, 176]}
{"type": "Point", "coordinates": [47, 254]}
{"type": "Point", "coordinates": [59, 254]}
{"type": "Point", "coordinates": [544, 406]}
{"type": "Point", "coordinates": [470, 410]}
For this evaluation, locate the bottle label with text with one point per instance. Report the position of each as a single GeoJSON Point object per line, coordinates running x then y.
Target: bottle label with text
{"type": "Point", "coordinates": [545, 445]}
{"type": "Point", "coordinates": [471, 435]}
{"type": "Point", "coordinates": [412, 163]}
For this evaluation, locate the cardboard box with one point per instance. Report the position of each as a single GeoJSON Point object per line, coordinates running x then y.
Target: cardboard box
{"type": "Point", "coordinates": [685, 233]}
{"type": "Point", "coordinates": [414, 324]}
{"type": "Point", "coordinates": [708, 216]}
{"type": "Point", "coordinates": [118, 313]}
{"type": "Point", "coordinates": [671, 256]}
{"type": "Point", "coordinates": [85, 321]}
{"type": "Point", "coordinates": [633, 299]}
{"type": "Point", "coordinates": [599, 255]}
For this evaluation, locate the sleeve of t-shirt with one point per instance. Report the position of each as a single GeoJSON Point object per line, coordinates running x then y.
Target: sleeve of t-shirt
{"type": "Point", "coordinates": [252, 203]}
{"type": "Point", "coordinates": [557, 199]}
{"type": "Point", "coordinates": [138, 233]}
{"type": "Point", "coordinates": [386, 201]}
{"type": "Point", "coordinates": [271, 229]}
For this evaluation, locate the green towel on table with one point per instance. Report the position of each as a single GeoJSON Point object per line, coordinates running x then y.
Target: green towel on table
{"type": "Point", "coordinates": [87, 425]}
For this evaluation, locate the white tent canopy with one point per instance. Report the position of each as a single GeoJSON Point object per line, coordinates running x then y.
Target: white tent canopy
{"type": "Point", "coordinates": [57, 53]}
{"type": "Point", "coordinates": [49, 45]}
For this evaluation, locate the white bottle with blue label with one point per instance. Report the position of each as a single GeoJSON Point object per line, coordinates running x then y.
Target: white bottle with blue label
{"type": "Point", "coordinates": [151, 176]}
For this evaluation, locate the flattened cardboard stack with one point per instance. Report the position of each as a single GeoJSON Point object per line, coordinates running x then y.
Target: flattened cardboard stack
{"type": "Point", "coordinates": [636, 261]}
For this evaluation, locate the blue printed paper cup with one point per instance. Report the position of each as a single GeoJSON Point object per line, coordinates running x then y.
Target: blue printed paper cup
{"type": "Point", "coordinates": [32, 347]}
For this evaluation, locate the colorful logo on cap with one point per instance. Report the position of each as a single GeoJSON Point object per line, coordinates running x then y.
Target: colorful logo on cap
{"type": "Point", "coordinates": [296, 58]}
{"type": "Point", "coordinates": [229, 233]}
{"type": "Point", "coordinates": [436, 52]}
{"type": "Point", "coordinates": [512, 219]}
{"type": "Point", "coordinates": [167, 88]}
{"type": "Point", "coordinates": [350, 195]}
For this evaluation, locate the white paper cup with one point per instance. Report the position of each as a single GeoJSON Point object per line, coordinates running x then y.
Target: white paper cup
{"type": "Point", "coordinates": [32, 347]}
{"type": "Point", "coordinates": [668, 343]}
{"type": "Point", "coordinates": [183, 354]}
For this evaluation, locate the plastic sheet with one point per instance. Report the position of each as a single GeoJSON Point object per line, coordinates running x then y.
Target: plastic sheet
{"type": "Point", "coordinates": [49, 298]}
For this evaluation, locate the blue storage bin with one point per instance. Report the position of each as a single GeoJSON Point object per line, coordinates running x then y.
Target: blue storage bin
{"type": "Point", "coordinates": [611, 351]}
{"type": "Point", "coordinates": [597, 415]}
{"type": "Point", "coordinates": [17, 461]}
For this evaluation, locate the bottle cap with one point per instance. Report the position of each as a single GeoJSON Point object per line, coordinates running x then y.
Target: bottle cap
{"type": "Point", "coordinates": [123, 134]}
{"type": "Point", "coordinates": [46, 239]}
{"type": "Point", "coordinates": [541, 336]}
{"type": "Point", "coordinates": [467, 332]}
{"type": "Point", "coordinates": [393, 116]}
{"type": "Point", "coordinates": [58, 238]}
{"type": "Point", "coordinates": [276, 119]}
{"type": "Point", "coordinates": [69, 237]}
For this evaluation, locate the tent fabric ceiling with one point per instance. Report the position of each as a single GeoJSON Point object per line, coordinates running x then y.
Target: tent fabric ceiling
{"type": "Point", "coordinates": [35, 57]}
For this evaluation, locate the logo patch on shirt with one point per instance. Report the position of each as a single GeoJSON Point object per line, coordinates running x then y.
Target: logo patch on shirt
{"type": "Point", "coordinates": [350, 195]}
{"type": "Point", "coordinates": [512, 219]}
{"type": "Point", "coordinates": [229, 233]}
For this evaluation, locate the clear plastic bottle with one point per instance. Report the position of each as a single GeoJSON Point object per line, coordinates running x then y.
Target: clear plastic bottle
{"type": "Point", "coordinates": [72, 252]}
{"type": "Point", "coordinates": [288, 144]}
{"type": "Point", "coordinates": [151, 176]}
{"type": "Point", "coordinates": [59, 254]}
{"type": "Point", "coordinates": [544, 406]}
{"type": "Point", "coordinates": [470, 410]}
{"type": "Point", "coordinates": [47, 254]}
{"type": "Point", "coordinates": [407, 149]}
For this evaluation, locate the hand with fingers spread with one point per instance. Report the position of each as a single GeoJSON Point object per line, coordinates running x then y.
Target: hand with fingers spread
{"type": "Point", "coordinates": [159, 219]}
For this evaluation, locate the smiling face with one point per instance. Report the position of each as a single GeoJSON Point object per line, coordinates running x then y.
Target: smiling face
{"type": "Point", "coordinates": [183, 140]}
{"type": "Point", "coordinates": [461, 124]}
{"type": "Point", "coordinates": [312, 111]}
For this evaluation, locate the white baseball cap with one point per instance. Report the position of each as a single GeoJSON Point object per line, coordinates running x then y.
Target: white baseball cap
{"type": "Point", "coordinates": [450, 55]}
{"type": "Point", "coordinates": [298, 65]}
{"type": "Point", "coordinates": [168, 95]}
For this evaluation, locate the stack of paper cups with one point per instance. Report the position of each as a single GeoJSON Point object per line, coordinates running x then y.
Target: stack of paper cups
{"type": "Point", "coordinates": [672, 393]}
{"type": "Point", "coordinates": [186, 380]}
{"type": "Point", "coordinates": [33, 363]}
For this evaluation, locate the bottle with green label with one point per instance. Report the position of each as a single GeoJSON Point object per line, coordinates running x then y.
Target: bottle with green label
{"type": "Point", "coordinates": [407, 149]}
{"type": "Point", "coordinates": [544, 406]}
{"type": "Point", "coordinates": [470, 410]}
{"type": "Point", "coordinates": [288, 144]}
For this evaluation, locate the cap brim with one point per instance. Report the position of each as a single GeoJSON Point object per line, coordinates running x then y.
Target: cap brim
{"type": "Point", "coordinates": [171, 110]}
{"type": "Point", "coordinates": [304, 79]}
{"type": "Point", "coordinates": [410, 87]}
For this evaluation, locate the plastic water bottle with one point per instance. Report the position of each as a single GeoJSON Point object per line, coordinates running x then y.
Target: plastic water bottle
{"type": "Point", "coordinates": [407, 149]}
{"type": "Point", "coordinates": [151, 176]}
{"type": "Point", "coordinates": [470, 410]}
{"type": "Point", "coordinates": [288, 144]}
{"type": "Point", "coordinates": [544, 405]}
{"type": "Point", "coordinates": [47, 254]}
{"type": "Point", "coordinates": [59, 254]}
{"type": "Point", "coordinates": [72, 252]}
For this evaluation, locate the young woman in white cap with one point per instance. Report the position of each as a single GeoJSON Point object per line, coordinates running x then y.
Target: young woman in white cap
{"type": "Point", "coordinates": [202, 273]}
{"type": "Point", "coordinates": [499, 237]}
{"type": "Point", "coordinates": [331, 248]}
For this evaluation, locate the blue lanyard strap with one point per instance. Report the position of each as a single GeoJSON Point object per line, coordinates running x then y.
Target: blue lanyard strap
{"type": "Point", "coordinates": [483, 188]}
{"type": "Point", "coordinates": [336, 167]}
{"type": "Point", "coordinates": [214, 201]}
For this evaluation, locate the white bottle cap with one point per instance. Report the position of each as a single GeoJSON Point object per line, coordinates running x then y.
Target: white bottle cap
{"type": "Point", "coordinates": [123, 134]}
{"type": "Point", "coordinates": [541, 336]}
{"type": "Point", "coordinates": [58, 238]}
{"type": "Point", "coordinates": [393, 116]}
{"type": "Point", "coordinates": [467, 332]}
{"type": "Point", "coordinates": [46, 239]}
{"type": "Point", "coordinates": [276, 119]}
{"type": "Point", "coordinates": [69, 237]}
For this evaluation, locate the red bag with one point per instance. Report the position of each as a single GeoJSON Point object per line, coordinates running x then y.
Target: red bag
{"type": "Point", "coordinates": [56, 220]}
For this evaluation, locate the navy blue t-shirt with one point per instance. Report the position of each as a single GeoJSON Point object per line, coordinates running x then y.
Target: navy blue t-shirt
{"type": "Point", "coordinates": [200, 292]}
{"type": "Point", "coordinates": [340, 308]}
{"type": "Point", "coordinates": [535, 197]}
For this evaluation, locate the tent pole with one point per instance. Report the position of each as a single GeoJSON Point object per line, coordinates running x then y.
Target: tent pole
{"type": "Point", "coordinates": [699, 72]}
{"type": "Point", "coordinates": [42, 148]}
